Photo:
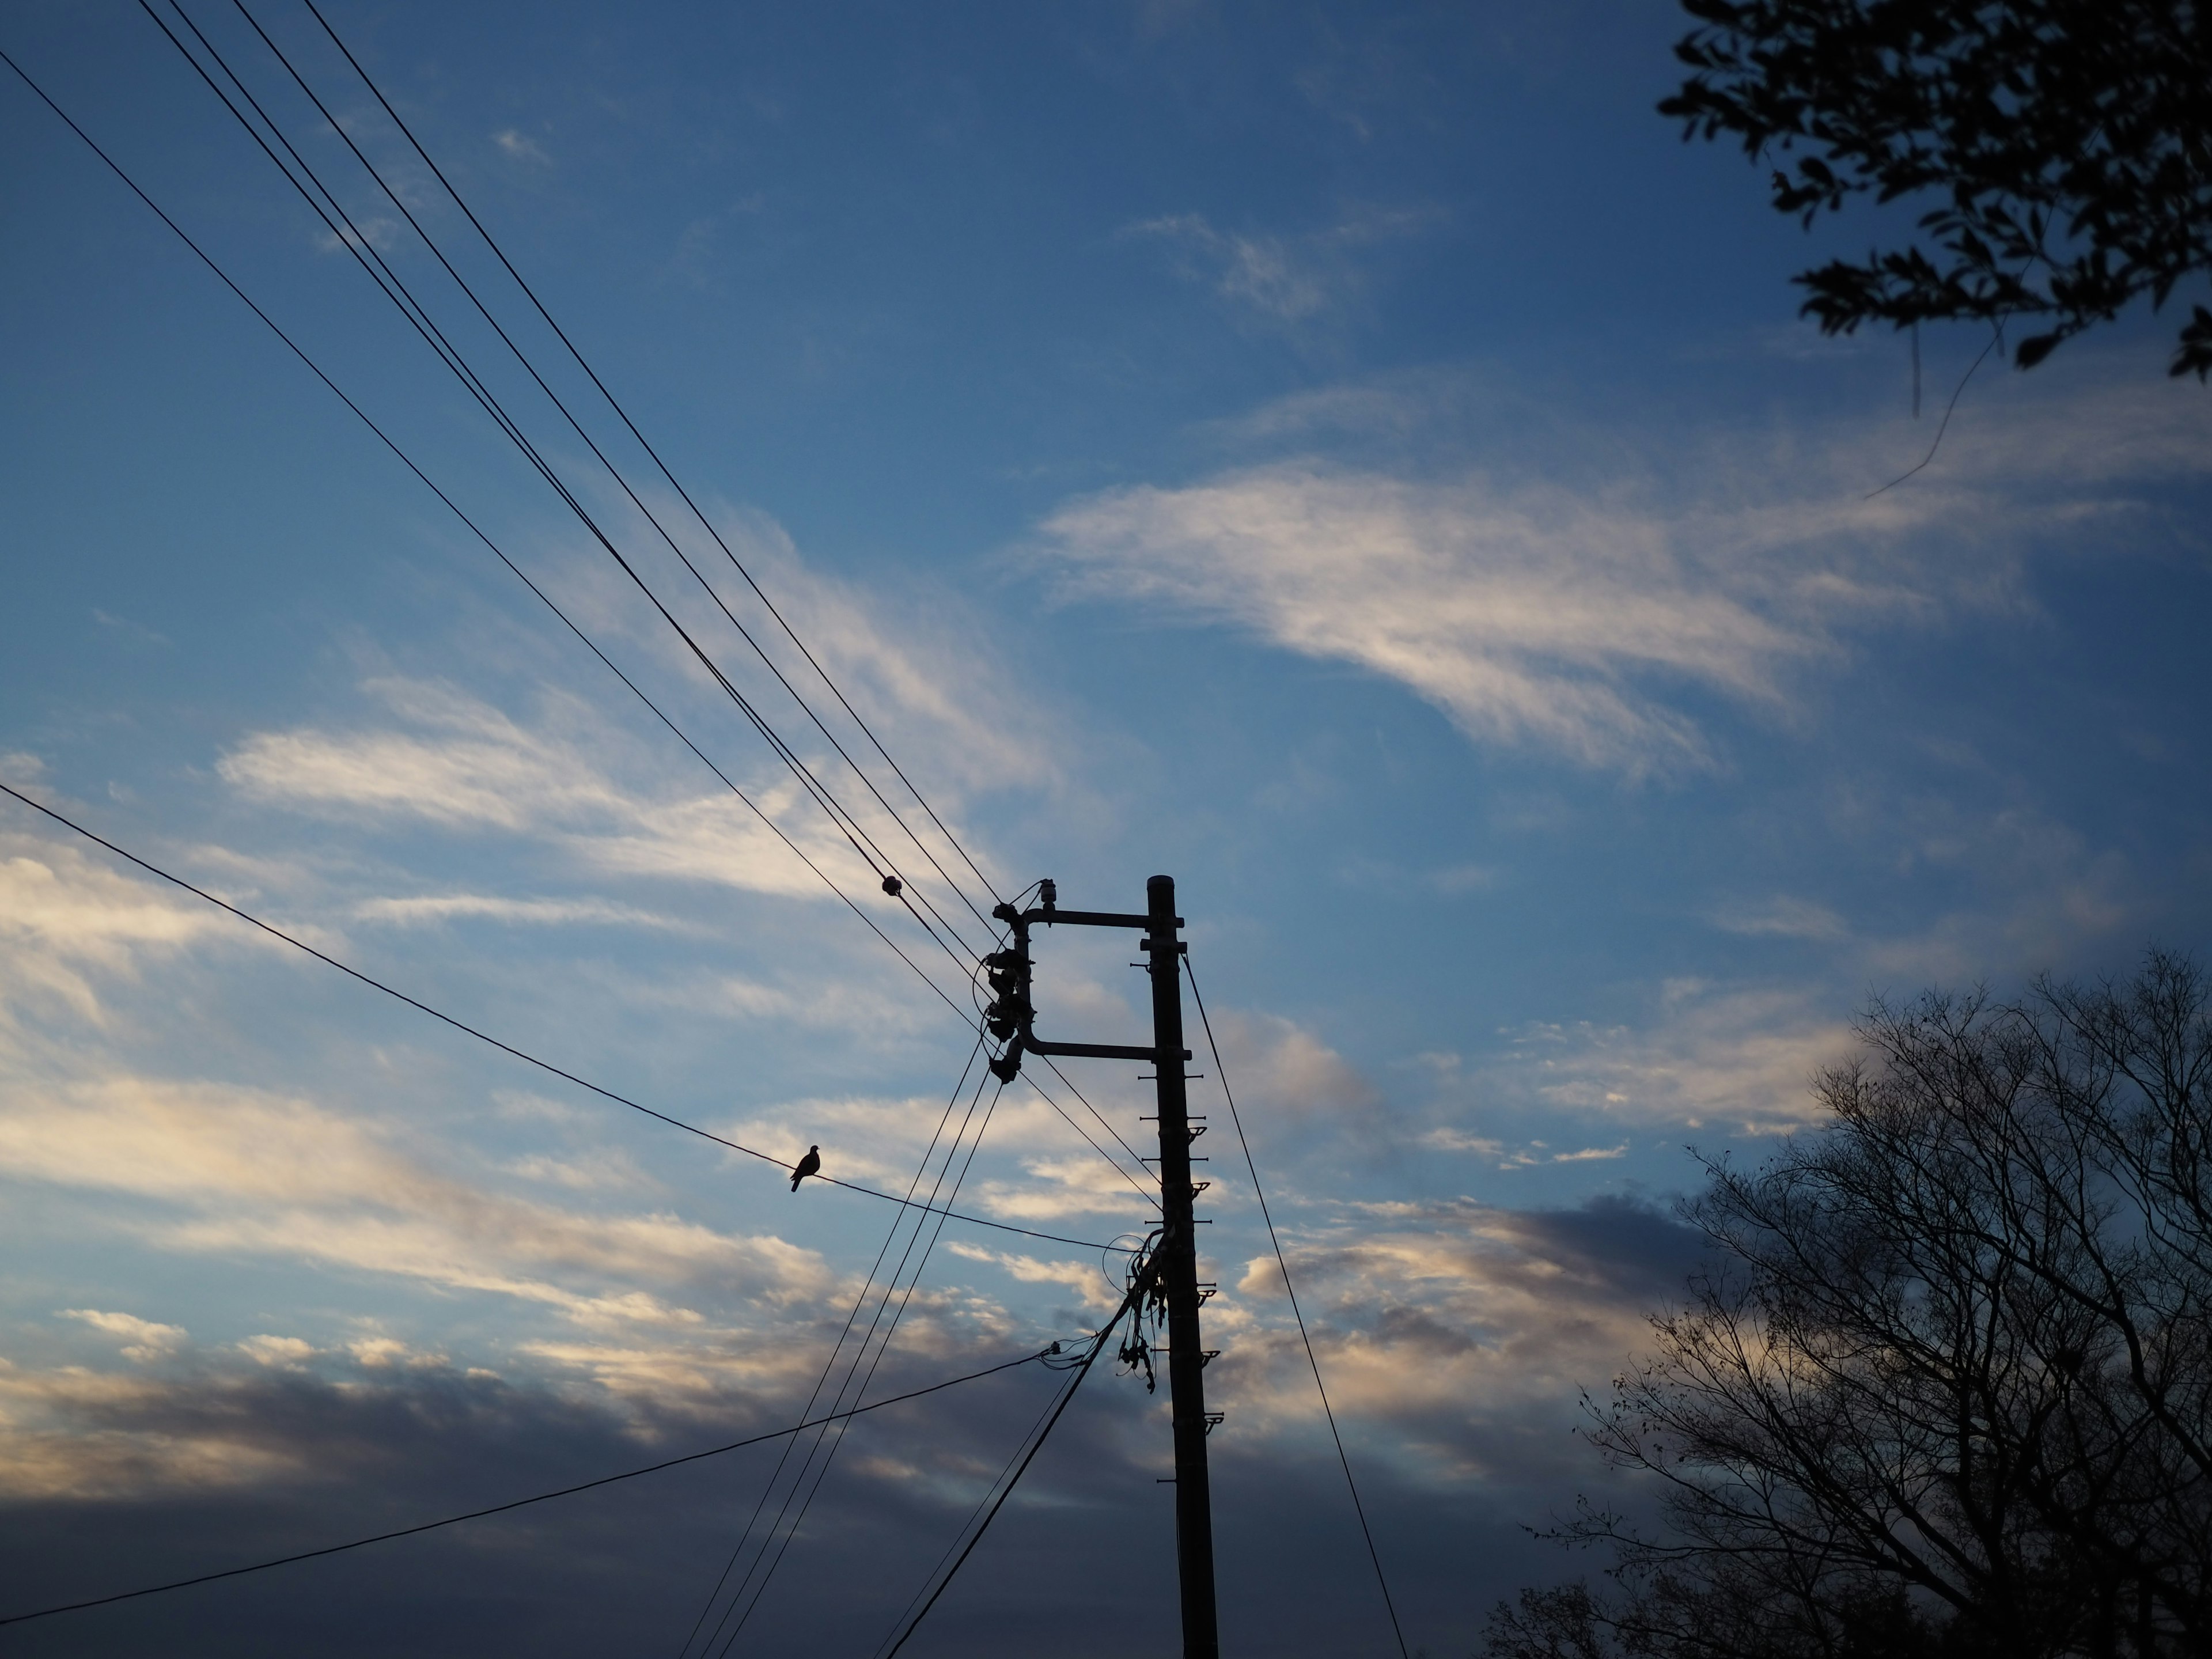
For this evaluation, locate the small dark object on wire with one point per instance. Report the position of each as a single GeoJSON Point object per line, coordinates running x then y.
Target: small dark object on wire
{"type": "Point", "coordinates": [811, 1164]}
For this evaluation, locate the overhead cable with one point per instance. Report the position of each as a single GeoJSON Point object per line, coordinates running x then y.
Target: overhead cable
{"type": "Point", "coordinates": [356, 242]}
{"type": "Point", "coordinates": [613, 471]}
{"type": "Point", "coordinates": [848, 823]}
{"type": "Point", "coordinates": [407, 461]}
{"type": "Point", "coordinates": [852, 1316]}
{"type": "Point", "coordinates": [519, 1503]}
{"type": "Point", "coordinates": [508, 1047]}
{"type": "Point", "coordinates": [1321, 1388]}
{"type": "Point", "coordinates": [707, 524]}
{"type": "Point", "coordinates": [913, 1283]}
{"type": "Point", "coordinates": [545, 598]}
{"type": "Point", "coordinates": [1075, 1381]}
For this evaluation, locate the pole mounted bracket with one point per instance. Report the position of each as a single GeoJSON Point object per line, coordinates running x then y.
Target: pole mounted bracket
{"type": "Point", "coordinates": [1012, 1017]}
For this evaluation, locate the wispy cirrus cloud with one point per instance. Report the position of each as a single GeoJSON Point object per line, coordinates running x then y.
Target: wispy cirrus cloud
{"type": "Point", "coordinates": [1733, 1058]}
{"type": "Point", "coordinates": [430, 908]}
{"type": "Point", "coordinates": [223, 1170]}
{"type": "Point", "coordinates": [448, 759]}
{"type": "Point", "coordinates": [1283, 279]}
{"type": "Point", "coordinates": [1587, 609]}
{"type": "Point", "coordinates": [66, 920]}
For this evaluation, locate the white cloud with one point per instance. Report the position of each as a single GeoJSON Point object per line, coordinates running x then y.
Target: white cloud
{"type": "Point", "coordinates": [1083, 1278]}
{"type": "Point", "coordinates": [1571, 607]}
{"type": "Point", "coordinates": [1783, 917]}
{"type": "Point", "coordinates": [455, 761]}
{"type": "Point", "coordinates": [64, 916]}
{"type": "Point", "coordinates": [1448, 1139]}
{"type": "Point", "coordinates": [228, 1170]}
{"type": "Point", "coordinates": [144, 1339]}
{"type": "Point", "coordinates": [1257, 271]}
{"type": "Point", "coordinates": [1279, 1067]}
{"type": "Point", "coordinates": [1735, 1059]}
{"type": "Point", "coordinates": [520, 148]}
{"type": "Point", "coordinates": [280, 1352]}
{"type": "Point", "coordinates": [1521, 614]}
{"type": "Point", "coordinates": [444, 907]}
{"type": "Point", "coordinates": [1286, 279]}
{"type": "Point", "coordinates": [1446, 1325]}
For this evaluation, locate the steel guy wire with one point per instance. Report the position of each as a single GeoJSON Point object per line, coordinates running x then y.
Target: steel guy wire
{"type": "Point", "coordinates": [514, 1503]}
{"type": "Point", "coordinates": [1320, 1387]}
{"type": "Point", "coordinates": [613, 471]}
{"type": "Point", "coordinates": [395, 288]}
{"type": "Point", "coordinates": [530, 293]}
{"type": "Point", "coordinates": [492, 1042]}
{"type": "Point", "coordinates": [407, 461]}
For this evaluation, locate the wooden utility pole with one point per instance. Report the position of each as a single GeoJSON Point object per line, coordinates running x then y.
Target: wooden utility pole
{"type": "Point", "coordinates": [1176, 1255]}
{"type": "Point", "coordinates": [1178, 1246]}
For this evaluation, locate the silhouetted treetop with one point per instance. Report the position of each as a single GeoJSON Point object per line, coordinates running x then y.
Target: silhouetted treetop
{"type": "Point", "coordinates": [2068, 144]}
{"type": "Point", "coordinates": [1944, 1390]}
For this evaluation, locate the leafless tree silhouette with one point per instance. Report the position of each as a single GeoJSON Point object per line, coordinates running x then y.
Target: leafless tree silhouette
{"type": "Point", "coordinates": [1946, 1389]}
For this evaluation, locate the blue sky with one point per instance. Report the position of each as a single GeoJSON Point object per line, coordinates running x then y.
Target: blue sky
{"type": "Point", "coordinates": [1354, 458]}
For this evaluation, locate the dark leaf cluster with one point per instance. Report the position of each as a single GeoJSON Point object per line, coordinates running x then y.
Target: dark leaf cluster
{"type": "Point", "coordinates": [2065, 146]}
{"type": "Point", "coordinates": [1948, 1391]}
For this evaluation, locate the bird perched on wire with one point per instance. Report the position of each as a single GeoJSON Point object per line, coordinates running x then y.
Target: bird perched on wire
{"type": "Point", "coordinates": [811, 1164]}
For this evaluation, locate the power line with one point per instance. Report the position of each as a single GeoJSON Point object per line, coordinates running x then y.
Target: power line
{"type": "Point", "coordinates": [612, 403]}
{"type": "Point", "coordinates": [519, 1503]}
{"type": "Point", "coordinates": [1083, 1370]}
{"type": "Point", "coordinates": [395, 288]}
{"type": "Point", "coordinates": [982, 1503]}
{"type": "Point", "coordinates": [429, 483]}
{"type": "Point", "coordinates": [913, 1283]}
{"type": "Point", "coordinates": [407, 461]}
{"type": "Point", "coordinates": [829, 1364]}
{"type": "Point", "coordinates": [806, 1465]}
{"type": "Point", "coordinates": [615, 472]}
{"type": "Point", "coordinates": [508, 1047]}
{"type": "Point", "coordinates": [1253, 1169]}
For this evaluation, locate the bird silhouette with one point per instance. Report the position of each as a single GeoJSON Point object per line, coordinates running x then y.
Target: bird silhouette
{"type": "Point", "coordinates": [811, 1164]}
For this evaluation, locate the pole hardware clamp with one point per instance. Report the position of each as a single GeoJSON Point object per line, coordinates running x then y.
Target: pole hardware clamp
{"type": "Point", "coordinates": [1012, 1016]}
